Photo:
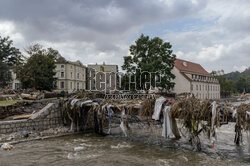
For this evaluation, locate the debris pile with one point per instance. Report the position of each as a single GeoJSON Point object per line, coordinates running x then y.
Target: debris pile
{"type": "Point", "coordinates": [20, 110]}
{"type": "Point", "coordinates": [242, 116]}
{"type": "Point", "coordinates": [84, 113]}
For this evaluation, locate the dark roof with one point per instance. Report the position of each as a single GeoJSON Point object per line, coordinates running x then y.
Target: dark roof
{"type": "Point", "coordinates": [186, 66]}
{"type": "Point", "coordinates": [61, 60]}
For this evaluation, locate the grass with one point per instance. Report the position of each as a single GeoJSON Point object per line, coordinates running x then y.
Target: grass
{"type": "Point", "coordinates": [10, 102]}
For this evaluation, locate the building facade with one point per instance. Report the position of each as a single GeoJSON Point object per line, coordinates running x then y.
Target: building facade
{"type": "Point", "coordinates": [15, 84]}
{"type": "Point", "coordinates": [193, 78]}
{"type": "Point", "coordinates": [105, 68]}
{"type": "Point", "coordinates": [71, 76]}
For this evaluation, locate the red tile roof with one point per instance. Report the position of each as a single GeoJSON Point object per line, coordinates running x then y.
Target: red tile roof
{"type": "Point", "coordinates": [186, 66]}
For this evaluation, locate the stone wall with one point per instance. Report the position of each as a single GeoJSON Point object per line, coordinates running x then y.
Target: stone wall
{"type": "Point", "coordinates": [48, 117]}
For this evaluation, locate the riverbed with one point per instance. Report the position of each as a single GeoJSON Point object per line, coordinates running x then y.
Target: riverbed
{"type": "Point", "coordinates": [91, 149]}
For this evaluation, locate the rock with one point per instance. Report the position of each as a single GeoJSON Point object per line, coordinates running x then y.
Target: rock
{"type": "Point", "coordinates": [24, 134]}
{"type": "Point", "coordinates": [9, 138]}
{"type": "Point", "coordinates": [41, 134]}
{"type": "Point", "coordinates": [7, 146]}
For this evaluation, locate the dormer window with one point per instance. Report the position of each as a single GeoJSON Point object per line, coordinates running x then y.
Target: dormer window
{"type": "Point", "coordinates": [185, 64]}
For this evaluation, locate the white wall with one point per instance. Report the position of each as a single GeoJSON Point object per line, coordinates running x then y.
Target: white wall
{"type": "Point", "coordinates": [201, 89]}
{"type": "Point", "coordinates": [182, 85]}
{"type": "Point", "coordinates": [69, 79]}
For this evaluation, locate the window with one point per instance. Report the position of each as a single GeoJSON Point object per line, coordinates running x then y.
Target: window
{"type": "Point", "coordinates": [71, 67]}
{"type": "Point", "coordinates": [191, 87]}
{"type": "Point", "coordinates": [78, 76]}
{"type": "Point", "coordinates": [71, 74]}
{"type": "Point", "coordinates": [71, 85]}
{"type": "Point", "coordinates": [77, 85]}
{"type": "Point", "coordinates": [62, 74]}
{"type": "Point", "coordinates": [102, 69]}
{"type": "Point", "coordinates": [196, 87]}
{"type": "Point", "coordinates": [62, 85]}
{"type": "Point", "coordinates": [62, 66]}
{"type": "Point", "coordinates": [17, 86]}
{"type": "Point", "coordinates": [200, 87]}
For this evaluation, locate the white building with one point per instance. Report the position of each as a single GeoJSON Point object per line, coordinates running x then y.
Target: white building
{"type": "Point", "coordinates": [70, 76]}
{"type": "Point", "coordinates": [105, 68]}
{"type": "Point", "coordinates": [15, 83]}
{"type": "Point", "coordinates": [193, 78]}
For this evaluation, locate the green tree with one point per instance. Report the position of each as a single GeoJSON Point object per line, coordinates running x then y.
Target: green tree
{"type": "Point", "coordinates": [39, 71]}
{"type": "Point", "coordinates": [10, 57]}
{"type": "Point", "coordinates": [243, 84]}
{"type": "Point", "coordinates": [226, 85]}
{"type": "Point", "coordinates": [5, 76]}
{"type": "Point", "coordinates": [151, 55]}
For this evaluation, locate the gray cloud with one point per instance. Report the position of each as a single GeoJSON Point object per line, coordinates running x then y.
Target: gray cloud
{"type": "Point", "coordinates": [101, 30]}
{"type": "Point", "coordinates": [104, 22]}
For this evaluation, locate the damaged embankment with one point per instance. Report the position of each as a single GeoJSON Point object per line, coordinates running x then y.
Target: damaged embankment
{"type": "Point", "coordinates": [36, 123]}
{"type": "Point", "coordinates": [160, 119]}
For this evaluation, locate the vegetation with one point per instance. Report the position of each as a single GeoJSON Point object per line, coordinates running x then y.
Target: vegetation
{"type": "Point", "coordinates": [151, 55]}
{"type": "Point", "coordinates": [7, 103]}
{"type": "Point", "coordinates": [234, 82]}
{"type": "Point", "coordinates": [39, 70]}
{"type": "Point", "coordinates": [10, 57]}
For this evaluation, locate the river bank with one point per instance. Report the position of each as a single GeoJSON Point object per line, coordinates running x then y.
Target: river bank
{"type": "Point", "coordinates": [25, 136]}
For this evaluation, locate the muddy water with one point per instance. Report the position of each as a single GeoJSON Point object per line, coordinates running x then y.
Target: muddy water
{"type": "Point", "coordinates": [95, 150]}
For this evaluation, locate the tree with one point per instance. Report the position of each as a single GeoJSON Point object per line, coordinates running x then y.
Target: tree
{"type": "Point", "coordinates": [151, 55]}
{"type": "Point", "coordinates": [243, 84]}
{"type": "Point", "coordinates": [39, 70]}
{"type": "Point", "coordinates": [226, 85]}
{"type": "Point", "coordinates": [5, 77]}
{"type": "Point", "coordinates": [10, 57]}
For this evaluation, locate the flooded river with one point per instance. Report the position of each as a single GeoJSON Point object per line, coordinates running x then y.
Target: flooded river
{"type": "Point", "coordinates": [90, 149]}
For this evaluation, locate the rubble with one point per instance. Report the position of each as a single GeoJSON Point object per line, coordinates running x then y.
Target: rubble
{"type": "Point", "coordinates": [21, 109]}
{"type": "Point", "coordinates": [7, 146]}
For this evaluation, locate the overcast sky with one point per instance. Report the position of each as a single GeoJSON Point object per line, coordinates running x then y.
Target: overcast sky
{"type": "Point", "coordinates": [214, 33]}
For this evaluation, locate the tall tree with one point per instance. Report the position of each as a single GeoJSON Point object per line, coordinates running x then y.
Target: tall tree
{"type": "Point", "coordinates": [243, 84]}
{"type": "Point", "coordinates": [39, 70]}
{"type": "Point", "coordinates": [151, 55]}
{"type": "Point", "coordinates": [226, 85]}
{"type": "Point", "coordinates": [10, 56]}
